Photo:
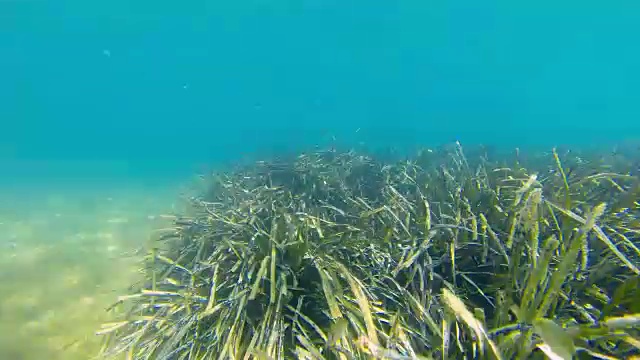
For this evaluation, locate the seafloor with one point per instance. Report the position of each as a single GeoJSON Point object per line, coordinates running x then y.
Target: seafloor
{"type": "Point", "coordinates": [68, 250]}
{"type": "Point", "coordinates": [65, 254]}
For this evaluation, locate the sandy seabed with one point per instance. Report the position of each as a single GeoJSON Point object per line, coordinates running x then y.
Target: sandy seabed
{"type": "Point", "coordinates": [65, 256]}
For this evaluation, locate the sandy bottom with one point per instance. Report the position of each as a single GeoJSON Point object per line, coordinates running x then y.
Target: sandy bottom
{"type": "Point", "coordinates": [64, 258]}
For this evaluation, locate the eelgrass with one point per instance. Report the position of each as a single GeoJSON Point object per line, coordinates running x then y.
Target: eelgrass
{"type": "Point", "coordinates": [337, 256]}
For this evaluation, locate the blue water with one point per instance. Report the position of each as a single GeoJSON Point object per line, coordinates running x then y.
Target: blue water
{"type": "Point", "coordinates": [166, 87]}
{"type": "Point", "coordinates": [107, 106]}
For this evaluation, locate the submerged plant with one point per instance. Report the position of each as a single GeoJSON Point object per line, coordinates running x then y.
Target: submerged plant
{"type": "Point", "coordinates": [338, 256]}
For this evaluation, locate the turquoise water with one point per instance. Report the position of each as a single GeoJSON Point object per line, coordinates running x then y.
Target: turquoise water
{"type": "Point", "coordinates": [106, 80]}
{"type": "Point", "coordinates": [126, 100]}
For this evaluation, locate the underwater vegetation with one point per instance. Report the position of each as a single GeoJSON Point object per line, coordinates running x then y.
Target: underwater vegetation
{"type": "Point", "coordinates": [336, 255]}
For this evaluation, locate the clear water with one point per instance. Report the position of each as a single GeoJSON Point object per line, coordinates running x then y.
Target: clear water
{"type": "Point", "coordinates": [107, 106]}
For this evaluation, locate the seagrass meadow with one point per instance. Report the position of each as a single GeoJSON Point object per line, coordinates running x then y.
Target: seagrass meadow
{"type": "Point", "coordinates": [448, 254]}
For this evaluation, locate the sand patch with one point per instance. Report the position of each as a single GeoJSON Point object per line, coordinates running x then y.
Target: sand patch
{"type": "Point", "coordinates": [63, 262]}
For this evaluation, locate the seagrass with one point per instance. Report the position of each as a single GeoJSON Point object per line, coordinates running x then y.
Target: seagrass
{"type": "Point", "coordinates": [338, 255]}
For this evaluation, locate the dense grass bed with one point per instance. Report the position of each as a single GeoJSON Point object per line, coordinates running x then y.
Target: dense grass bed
{"type": "Point", "coordinates": [338, 255]}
